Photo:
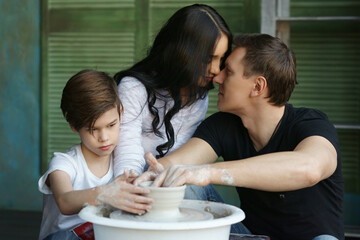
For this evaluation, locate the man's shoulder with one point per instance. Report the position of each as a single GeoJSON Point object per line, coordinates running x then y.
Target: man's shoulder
{"type": "Point", "coordinates": [305, 113]}
{"type": "Point", "coordinates": [305, 122]}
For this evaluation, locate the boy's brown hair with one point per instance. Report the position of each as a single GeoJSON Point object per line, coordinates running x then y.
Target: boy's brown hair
{"type": "Point", "coordinates": [86, 96]}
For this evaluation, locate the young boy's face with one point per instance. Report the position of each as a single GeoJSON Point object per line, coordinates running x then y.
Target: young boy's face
{"type": "Point", "coordinates": [104, 136]}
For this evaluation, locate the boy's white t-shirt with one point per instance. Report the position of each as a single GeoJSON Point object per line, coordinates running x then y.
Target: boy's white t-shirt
{"type": "Point", "coordinates": [73, 163]}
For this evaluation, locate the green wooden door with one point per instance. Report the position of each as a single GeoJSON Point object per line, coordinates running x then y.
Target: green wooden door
{"type": "Point", "coordinates": [109, 35]}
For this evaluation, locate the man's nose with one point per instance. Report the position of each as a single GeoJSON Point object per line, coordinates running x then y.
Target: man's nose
{"type": "Point", "coordinates": [219, 78]}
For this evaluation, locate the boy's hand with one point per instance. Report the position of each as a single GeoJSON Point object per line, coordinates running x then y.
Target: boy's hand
{"type": "Point", "coordinates": [125, 196]}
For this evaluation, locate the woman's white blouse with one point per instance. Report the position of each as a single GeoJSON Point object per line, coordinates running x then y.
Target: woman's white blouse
{"type": "Point", "coordinates": [136, 135]}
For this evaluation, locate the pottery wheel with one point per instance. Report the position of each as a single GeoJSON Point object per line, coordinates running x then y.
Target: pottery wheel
{"type": "Point", "coordinates": [186, 215]}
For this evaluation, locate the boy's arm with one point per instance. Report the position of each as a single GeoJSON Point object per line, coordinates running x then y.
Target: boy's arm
{"type": "Point", "coordinates": [119, 194]}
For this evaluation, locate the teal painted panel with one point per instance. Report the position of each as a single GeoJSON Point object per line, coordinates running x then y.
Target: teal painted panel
{"type": "Point", "coordinates": [19, 104]}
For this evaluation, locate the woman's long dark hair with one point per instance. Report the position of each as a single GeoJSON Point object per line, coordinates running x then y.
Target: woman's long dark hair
{"type": "Point", "coordinates": [177, 60]}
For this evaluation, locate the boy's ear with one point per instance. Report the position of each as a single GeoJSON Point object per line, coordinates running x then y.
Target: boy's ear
{"type": "Point", "coordinates": [73, 129]}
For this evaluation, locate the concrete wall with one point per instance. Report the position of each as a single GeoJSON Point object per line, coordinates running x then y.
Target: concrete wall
{"type": "Point", "coordinates": [19, 104]}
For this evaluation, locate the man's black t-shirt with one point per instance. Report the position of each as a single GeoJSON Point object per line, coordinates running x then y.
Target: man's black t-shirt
{"type": "Point", "coordinates": [301, 214]}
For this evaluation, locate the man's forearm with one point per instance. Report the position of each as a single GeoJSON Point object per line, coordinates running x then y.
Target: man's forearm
{"type": "Point", "coordinates": [313, 160]}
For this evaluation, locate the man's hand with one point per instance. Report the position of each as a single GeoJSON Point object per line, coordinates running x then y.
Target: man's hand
{"type": "Point", "coordinates": [177, 175]}
{"type": "Point", "coordinates": [155, 168]}
{"type": "Point", "coordinates": [124, 195]}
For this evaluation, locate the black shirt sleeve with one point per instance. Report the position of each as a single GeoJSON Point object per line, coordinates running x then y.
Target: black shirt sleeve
{"type": "Point", "coordinates": [218, 131]}
{"type": "Point", "coordinates": [209, 131]}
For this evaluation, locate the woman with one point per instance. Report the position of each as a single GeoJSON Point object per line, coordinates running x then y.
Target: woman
{"type": "Point", "coordinates": [165, 94]}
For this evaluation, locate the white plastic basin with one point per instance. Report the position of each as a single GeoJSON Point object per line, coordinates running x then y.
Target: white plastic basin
{"type": "Point", "coordinates": [214, 229]}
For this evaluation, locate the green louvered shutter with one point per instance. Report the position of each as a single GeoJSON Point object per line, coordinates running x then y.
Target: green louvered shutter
{"type": "Point", "coordinates": [330, 81]}
{"type": "Point", "coordinates": [80, 34]}
{"type": "Point", "coordinates": [328, 63]}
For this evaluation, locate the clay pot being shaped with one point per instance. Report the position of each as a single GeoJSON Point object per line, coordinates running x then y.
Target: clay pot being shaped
{"type": "Point", "coordinates": [166, 202]}
{"type": "Point", "coordinates": [165, 208]}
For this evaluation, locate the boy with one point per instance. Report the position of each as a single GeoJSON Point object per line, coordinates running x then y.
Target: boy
{"type": "Point", "coordinates": [84, 173]}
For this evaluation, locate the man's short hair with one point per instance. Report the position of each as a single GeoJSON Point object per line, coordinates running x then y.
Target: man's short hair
{"type": "Point", "coordinates": [270, 57]}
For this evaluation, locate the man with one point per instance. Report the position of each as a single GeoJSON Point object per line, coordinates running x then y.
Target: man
{"type": "Point", "coordinates": [284, 161]}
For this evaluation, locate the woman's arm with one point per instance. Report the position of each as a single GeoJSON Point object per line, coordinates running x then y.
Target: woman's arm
{"type": "Point", "coordinates": [129, 152]}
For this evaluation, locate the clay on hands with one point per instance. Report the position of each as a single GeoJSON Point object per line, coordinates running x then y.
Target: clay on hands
{"type": "Point", "coordinates": [155, 168]}
{"type": "Point", "coordinates": [177, 175]}
{"type": "Point", "coordinates": [125, 196]}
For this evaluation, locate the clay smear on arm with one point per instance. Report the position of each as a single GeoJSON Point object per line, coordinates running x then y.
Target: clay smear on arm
{"type": "Point", "coordinates": [226, 177]}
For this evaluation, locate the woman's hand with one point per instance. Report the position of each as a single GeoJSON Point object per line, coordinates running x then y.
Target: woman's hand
{"type": "Point", "coordinates": [124, 195]}
{"type": "Point", "coordinates": [155, 168]}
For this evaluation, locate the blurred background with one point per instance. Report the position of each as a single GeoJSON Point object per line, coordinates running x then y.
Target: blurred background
{"type": "Point", "coordinates": [44, 42]}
